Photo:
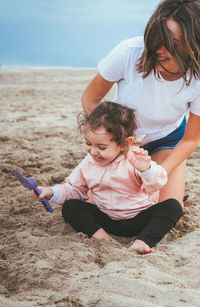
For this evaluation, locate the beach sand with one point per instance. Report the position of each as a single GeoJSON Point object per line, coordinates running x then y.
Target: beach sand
{"type": "Point", "coordinates": [43, 261]}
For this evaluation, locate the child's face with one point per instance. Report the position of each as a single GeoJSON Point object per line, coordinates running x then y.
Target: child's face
{"type": "Point", "coordinates": [100, 146]}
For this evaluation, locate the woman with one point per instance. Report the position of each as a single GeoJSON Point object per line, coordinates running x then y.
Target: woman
{"type": "Point", "coordinates": [159, 76]}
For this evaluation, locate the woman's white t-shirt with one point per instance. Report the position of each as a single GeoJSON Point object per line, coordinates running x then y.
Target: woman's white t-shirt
{"type": "Point", "coordinates": [160, 105]}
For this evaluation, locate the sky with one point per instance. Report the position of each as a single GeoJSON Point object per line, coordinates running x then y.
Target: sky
{"type": "Point", "coordinates": [70, 33]}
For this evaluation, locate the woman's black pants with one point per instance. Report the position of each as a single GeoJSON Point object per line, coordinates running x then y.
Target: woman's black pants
{"type": "Point", "coordinates": [149, 225]}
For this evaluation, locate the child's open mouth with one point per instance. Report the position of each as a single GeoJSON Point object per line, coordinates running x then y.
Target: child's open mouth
{"type": "Point", "coordinates": [98, 159]}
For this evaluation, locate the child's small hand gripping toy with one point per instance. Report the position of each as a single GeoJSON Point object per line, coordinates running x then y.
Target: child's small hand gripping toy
{"type": "Point", "coordinates": [31, 184]}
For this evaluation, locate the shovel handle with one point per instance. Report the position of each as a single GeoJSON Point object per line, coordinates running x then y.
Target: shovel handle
{"type": "Point", "coordinates": [44, 201]}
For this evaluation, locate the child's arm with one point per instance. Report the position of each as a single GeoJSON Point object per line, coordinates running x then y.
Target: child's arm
{"type": "Point", "coordinates": [75, 187]}
{"type": "Point", "coordinates": [46, 193]}
{"type": "Point", "coordinates": [62, 192]}
{"type": "Point", "coordinates": [153, 176]}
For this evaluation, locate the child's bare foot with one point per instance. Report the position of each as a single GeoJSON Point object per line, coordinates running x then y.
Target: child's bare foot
{"type": "Point", "coordinates": [101, 234]}
{"type": "Point", "coordinates": [141, 247]}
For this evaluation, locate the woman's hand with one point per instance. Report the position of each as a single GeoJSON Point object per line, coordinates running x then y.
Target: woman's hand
{"type": "Point", "coordinates": [46, 193]}
{"type": "Point", "coordinates": [140, 159]}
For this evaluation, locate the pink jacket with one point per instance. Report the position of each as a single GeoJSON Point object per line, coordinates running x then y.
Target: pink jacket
{"type": "Point", "coordinates": [118, 189]}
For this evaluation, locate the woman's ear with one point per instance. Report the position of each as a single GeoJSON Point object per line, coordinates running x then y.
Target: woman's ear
{"type": "Point", "coordinates": [129, 141]}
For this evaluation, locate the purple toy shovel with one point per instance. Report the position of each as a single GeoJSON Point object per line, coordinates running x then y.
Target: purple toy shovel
{"type": "Point", "coordinates": [31, 184]}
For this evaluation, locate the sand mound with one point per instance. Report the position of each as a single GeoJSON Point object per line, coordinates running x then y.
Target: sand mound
{"type": "Point", "coordinates": [43, 262]}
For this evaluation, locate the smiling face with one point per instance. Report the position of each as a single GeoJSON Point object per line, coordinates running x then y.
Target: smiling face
{"type": "Point", "coordinates": [100, 146]}
{"type": "Point", "coordinates": [171, 42]}
{"type": "Point", "coordinates": [166, 63]}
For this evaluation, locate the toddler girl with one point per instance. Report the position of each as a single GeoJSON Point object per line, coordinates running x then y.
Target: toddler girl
{"type": "Point", "coordinates": [121, 177]}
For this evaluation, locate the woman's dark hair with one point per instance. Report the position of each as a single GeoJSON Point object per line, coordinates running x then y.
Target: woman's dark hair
{"type": "Point", "coordinates": [118, 120]}
{"type": "Point", "coordinates": [187, 14]}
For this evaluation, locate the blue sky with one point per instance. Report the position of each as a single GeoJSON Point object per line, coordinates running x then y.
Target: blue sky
{"type": "Point", "coordinates": [76, 33]}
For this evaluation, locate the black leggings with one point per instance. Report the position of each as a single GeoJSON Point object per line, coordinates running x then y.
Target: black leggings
{"type": "Point", "coordinates": [150, 225]}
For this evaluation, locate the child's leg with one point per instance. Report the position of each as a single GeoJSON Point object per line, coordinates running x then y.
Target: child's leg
{"type": "Point", "coordinates": [87, 218]}
{"type": "Point", "coordinates": [164, 217]}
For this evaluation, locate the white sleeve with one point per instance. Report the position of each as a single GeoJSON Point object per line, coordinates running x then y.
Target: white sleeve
{"type": "Point", "coordinates": [121, 59]}
{"type": "Point", "coordinates": [153, 179]}
{"type": "Point", "coordinates": [195, 105]}
{"type": "Point", "coordinates": [112, 67]}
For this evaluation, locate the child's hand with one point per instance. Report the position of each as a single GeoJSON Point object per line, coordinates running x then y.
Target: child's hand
{"type": "Point", "coordinates": [46, 193]}
{"type": "Point", "coordinates": [140, 160]}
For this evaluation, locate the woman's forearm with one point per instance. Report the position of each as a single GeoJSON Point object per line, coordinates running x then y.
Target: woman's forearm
{"type": "Point", "coordinates": [95, 92]}
{"type": "Point", "coordinates": [88, 104]}
{"type": "Point", "coordinates": [186, 146]}
{"type": "Point", "coordinates": [180, 153]}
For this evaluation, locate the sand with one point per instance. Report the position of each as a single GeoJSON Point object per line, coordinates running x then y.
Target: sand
{"type": "Point", "coordinates": [43, 261]}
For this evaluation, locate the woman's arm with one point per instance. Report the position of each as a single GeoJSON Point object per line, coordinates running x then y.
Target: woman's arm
{"type": "Point", "coordinates": [186, 146]}
{"type": "Point", "coordinates": [95, 91]}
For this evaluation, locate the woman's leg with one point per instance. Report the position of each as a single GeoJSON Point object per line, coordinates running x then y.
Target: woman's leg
{"type": "Point", "coordinates": [176, 180]}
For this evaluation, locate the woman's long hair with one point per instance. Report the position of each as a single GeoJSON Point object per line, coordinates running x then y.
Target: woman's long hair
{"type": "Point", "coordinates": [187, 14]}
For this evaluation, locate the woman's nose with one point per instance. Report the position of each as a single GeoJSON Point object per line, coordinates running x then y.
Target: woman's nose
{"type": "Point", "coordinates": [161, 50]}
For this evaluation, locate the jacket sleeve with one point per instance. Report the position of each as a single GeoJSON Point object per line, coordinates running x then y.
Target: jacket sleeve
{"type": "Point", "coordinates": [75, 187]}
{"type": "Point", "coordinates": [153, 179]}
